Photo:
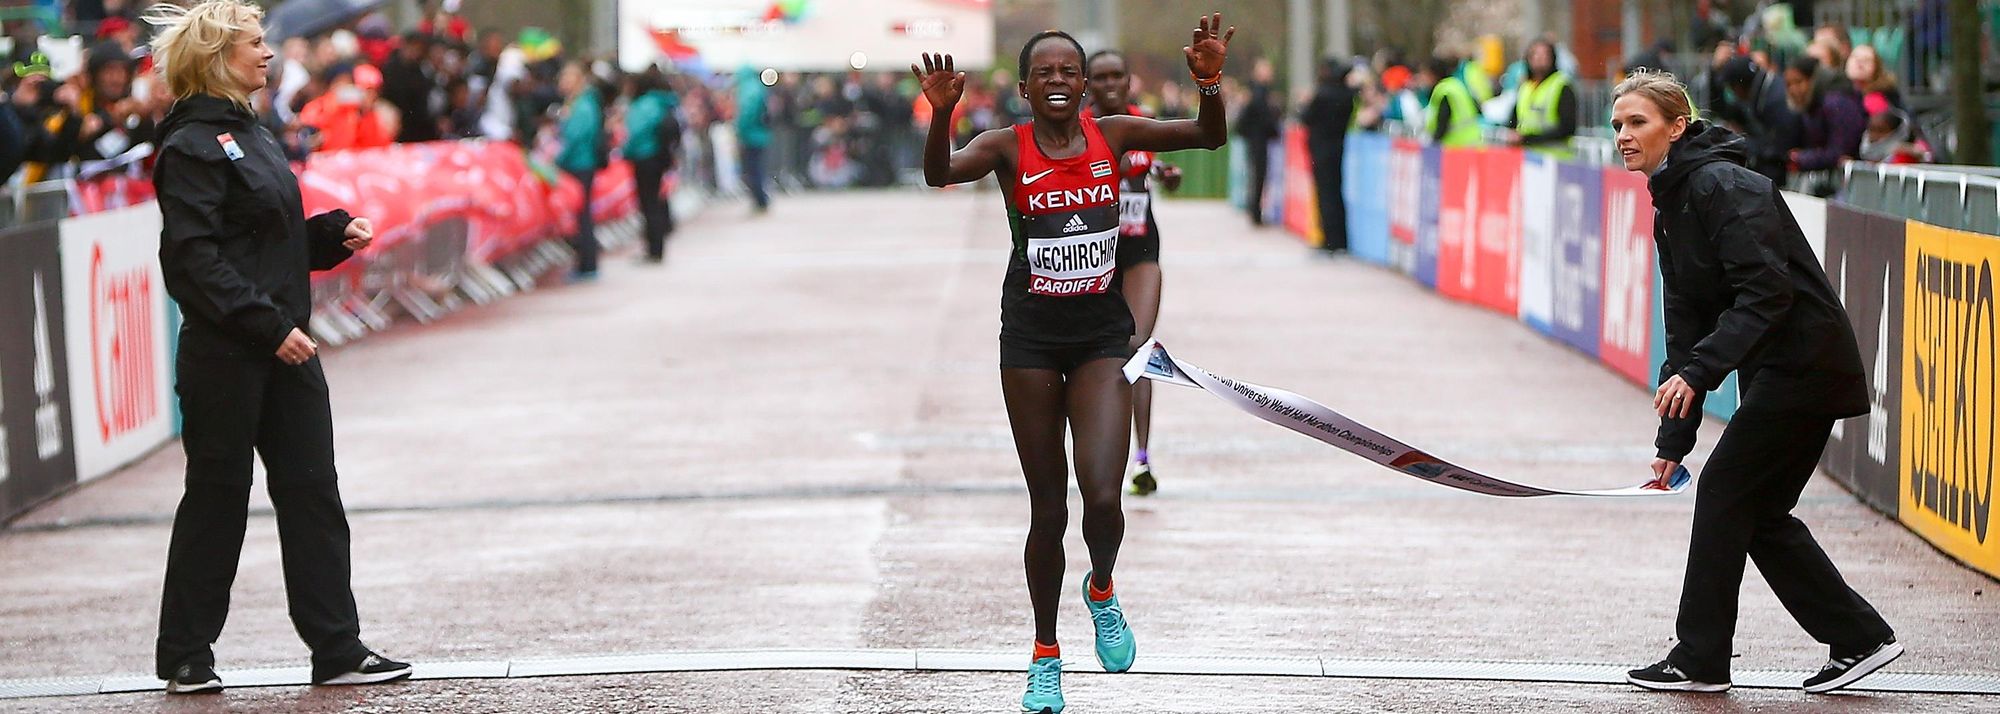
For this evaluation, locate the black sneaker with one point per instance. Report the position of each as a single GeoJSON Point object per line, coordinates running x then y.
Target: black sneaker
{"type": "Point", "coordinates": [194, 679]}
{"type": "Point", "coordinates": [1842, 671]}
{"type": "Point", "coordinates": [1665, 677]}
{"type": "Point", "coordinates": [374, 669]}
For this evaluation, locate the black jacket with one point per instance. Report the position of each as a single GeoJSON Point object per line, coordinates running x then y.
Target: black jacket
{"type": "Point", "coordinates": [1744, 292]}
{"type": "Point", "coordinates": [1258, 123]}
{"type": "Point", "coordinates": [1773, 127]}
{"type": "Point", "coordinates": [1326, 117]}
{"type": "Point", "coordinates": [405, 85]}
{"type": "Point", "coordinates": [235, 245]}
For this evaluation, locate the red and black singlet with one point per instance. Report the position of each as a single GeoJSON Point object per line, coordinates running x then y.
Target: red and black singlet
{"type": "Point", "coordinates": [1135, 196]}
{"type": "Point", "coordinates": [1062, 281]}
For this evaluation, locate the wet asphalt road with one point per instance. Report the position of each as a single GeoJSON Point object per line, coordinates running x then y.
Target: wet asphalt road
{"type": "Point", "coordinates": [791, 435]}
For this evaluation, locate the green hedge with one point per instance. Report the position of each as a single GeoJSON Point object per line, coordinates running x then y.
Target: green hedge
{"type": "Point", "coordinates": [1204, 174]}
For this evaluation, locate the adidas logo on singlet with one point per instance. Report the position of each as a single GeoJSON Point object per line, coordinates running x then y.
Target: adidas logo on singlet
{"type": "Point", "coordinates": [1075, 224]}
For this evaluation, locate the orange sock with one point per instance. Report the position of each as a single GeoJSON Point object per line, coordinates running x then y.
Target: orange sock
{"type": "Point", "coordinates": [1043, 651]}
{"type": "Point", "coordinates": [1097, 595]}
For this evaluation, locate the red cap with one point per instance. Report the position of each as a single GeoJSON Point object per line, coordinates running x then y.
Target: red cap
{"type": "Point", "coordinates": [366, 76]}
{"type": "Point", "coordinates": [1395, 78]}
{"type": "Point", "coordinates": [112, 26]}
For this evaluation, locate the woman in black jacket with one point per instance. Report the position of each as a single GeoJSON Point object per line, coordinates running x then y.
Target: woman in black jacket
{"type": "Point", "coordinates": [1744, 293]}
{"type": "Point", "coordinates": [235, 249]}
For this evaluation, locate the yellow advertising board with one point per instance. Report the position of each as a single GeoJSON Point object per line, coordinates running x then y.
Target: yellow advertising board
{"type": "Point", "coordinates": [1951, 393]}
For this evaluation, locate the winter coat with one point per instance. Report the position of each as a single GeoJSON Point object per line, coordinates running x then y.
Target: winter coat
{"type": "Point", "coordinates": [406, 86]}
{"type": "Point", "coordinates": [643, 121]}
{"type": "Point", "coordinates": [1744, 292]}
{"type": "Point", "coordinates": [1260, 120]}
{"type": "Point", "coordinates": [236, 247]}
{"type": "Point", "coordinates": [583, 134]}
{"type": "Point", "coordinates": [1834, 125]}
{"type": "Point", "coordinates": [753, 124]}
{"type": "Point", "coordinates": [1772, 125]}
{"type": "Point", "coordinates": [1326, 118]}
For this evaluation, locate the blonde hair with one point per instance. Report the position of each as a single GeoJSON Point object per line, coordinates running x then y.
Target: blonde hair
{"type": "Point", "coordinates": [1662, 88]}
{"type": "Point", "coordinates": [194, 45]}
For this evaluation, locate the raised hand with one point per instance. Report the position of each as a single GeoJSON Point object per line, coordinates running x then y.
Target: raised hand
{"type": "Point", "coordinates": [943, 84]}
{"type": "Point", "coordinates": [1209, 47]}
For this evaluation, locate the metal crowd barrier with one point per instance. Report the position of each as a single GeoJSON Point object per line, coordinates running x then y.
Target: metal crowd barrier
{"type": "Point", "coordinates": [32, 203]}
{"type": "Point", "coordinates": [1946, 197]}
{"type": "Point", "coordinates": [433, 276]}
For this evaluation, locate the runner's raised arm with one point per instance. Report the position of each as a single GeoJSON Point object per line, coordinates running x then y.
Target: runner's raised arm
{"type": "Point", "coordinates": [943, 86]}
{"type": "Point", "coordinates": [1210, 127]}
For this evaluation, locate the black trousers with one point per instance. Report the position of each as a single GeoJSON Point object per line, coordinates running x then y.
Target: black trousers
{"type": "Point", "coordinates": [1332, 204]}
{"type": "Point", "coordinates": [1743, 507]}
{"type": "Point", "coordinates": [1260, 174]}
{"type": "Point", "coordinates": [585, 242]}
{"type": "Point", "coordinates": [234, 402]}
{"type": "Point", "coordinates": [658, 213]}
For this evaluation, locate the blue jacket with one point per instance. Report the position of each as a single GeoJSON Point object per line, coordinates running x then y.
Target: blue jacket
{"type": "Point", "coordinates": [582, 134]}
{"type": "Point", "coordinates": [642, 123]}
{"type": "Point", "coordinates": [753, 129]}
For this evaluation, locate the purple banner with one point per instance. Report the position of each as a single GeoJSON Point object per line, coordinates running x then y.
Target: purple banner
{"type": "Point", "coordinates": [1578, 253]}
{"type": "Point", "coordinates": [1427, 216]}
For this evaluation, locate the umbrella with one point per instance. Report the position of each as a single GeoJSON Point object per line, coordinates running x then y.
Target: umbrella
{"type": "Point", "coordinates": [303, 18]}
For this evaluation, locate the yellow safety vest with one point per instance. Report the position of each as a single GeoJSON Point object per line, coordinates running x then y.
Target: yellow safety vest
{"type": "Point", "coordinates": [1535, 113]}
{"type": "Point", "coordinates": [1464, 130]}
{"type": "Point", "coordinates": [1478, 82]}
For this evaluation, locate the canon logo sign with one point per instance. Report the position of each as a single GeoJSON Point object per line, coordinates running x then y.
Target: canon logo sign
{"type": "Point", "coordinates": [122, 349]}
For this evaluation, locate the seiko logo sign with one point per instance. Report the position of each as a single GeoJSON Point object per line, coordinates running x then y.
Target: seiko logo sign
{"type": "Point", "coordinates": [1072, 198]}
{"type": "Point", "coordinates": [122, 352]}
{"type": "Point", "coordinates": [1950, 417]}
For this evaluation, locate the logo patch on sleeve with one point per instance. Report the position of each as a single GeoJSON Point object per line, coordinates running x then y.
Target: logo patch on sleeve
{"type": "Point", "coordinates": [229, 146]}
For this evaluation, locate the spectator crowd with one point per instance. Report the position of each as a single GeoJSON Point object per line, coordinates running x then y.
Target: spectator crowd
{"type": "Point", "coordinates": [88, 103]}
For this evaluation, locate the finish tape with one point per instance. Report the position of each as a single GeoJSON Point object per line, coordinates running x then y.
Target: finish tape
{"type": "Point", "coordinates": [1316, 420]}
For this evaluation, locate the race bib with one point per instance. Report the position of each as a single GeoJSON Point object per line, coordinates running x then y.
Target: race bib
{"type": "Point", "coordinates": [1072, 265]}
{"type": "Point", "coordinates": [1132, 208]}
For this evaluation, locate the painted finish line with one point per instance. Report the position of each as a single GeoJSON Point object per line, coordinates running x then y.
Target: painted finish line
{"type": "Point", "coordinates": [968, 661]}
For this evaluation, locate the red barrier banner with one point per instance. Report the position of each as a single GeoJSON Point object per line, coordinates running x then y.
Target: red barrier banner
{"type": "Point", "coordinates": [613, 194]}
{"type": "Point", "coordinates": [1497, 239]}
{"type": "Point", "coordinates": [1625, 340]}
{"type": "Point", "coordinates": [508, 202]}
{"type": "Point", "coordinates": [1458, 218]}
{"type": "Point", "coordinates": [1406, 175]}
{"type": "Point", "coordinates": [1301, 207]}
{"type": "Point", "coordinates": [108, 192]}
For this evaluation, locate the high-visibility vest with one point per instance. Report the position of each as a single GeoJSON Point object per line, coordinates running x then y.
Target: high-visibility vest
{"type": "Point", "coordinates": [1535, 113]}
{"type": "Point", "coordinates": [1464, 129]}
{"type": "Point", "coordinates": [1477, 82]}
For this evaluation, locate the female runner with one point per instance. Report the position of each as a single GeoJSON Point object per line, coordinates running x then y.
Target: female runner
{"type": "Point", "coordinates": [1065, 330]}
{"type": "Point", "coordinates": [1138, 241]}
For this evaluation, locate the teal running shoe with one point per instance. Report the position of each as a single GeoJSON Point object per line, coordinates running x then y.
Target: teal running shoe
{"type": "Point", "coordinates": [1044, 687]}
{"type": "Point", "coordinates": [1115, 648]}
